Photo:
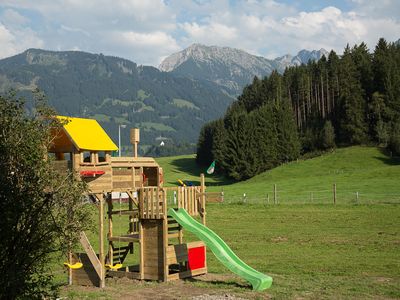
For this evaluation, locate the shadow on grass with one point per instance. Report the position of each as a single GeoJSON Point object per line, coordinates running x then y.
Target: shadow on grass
{"type": "Point", "coordinates": [220, 283]}
{"type": "Point", "coordinates": [388, 159]}
{"type": "Point", "coordinates": [189, 166]}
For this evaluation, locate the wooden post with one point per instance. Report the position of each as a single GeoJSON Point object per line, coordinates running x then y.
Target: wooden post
{"type": "Point", "coordinates": [141, 250]}
{"type": "Point", "coordinates": [69, 269]}
{"type": "Point", "coordinates": [275, 195]}
{"type": "Point", "coordinates": [101, 241]}
{"type": "Point", "coordinates": [203, 198]}
{"type": "Point", "coordinates": [165, 239]}
{"type": "Point", "coordinates": [267, 198]}
{"type": "Point", "coordinates": [334, 193]}
{"type": "Point", "coordinates": [357, 197]}
{"type": "Point", "coordinates": [135, 138]}
{"type": "Point", "coordinates": [110, 231]}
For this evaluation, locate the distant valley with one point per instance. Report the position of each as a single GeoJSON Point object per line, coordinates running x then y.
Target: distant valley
{"type": "Point", "coordinates": [192, 87]}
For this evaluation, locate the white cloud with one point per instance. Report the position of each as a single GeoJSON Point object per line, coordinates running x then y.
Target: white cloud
{"type": "Point", "coordinates": [151, 47]}
{"type": "Point", "coordinates": [212, 33]}
{"type": "Point", "coordinates": [147, 31]}
{"type": "Point", "coordinates": [16, 41]}
{"type": "Point", "coordinates": [13, 18]}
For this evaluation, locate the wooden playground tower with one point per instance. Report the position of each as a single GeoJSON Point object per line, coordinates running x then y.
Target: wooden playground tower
{"type": "Point", "coordinates": [83, 147]}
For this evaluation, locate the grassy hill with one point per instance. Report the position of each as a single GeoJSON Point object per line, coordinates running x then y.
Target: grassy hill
{"type": "Point", "coordinates": [366, 170]}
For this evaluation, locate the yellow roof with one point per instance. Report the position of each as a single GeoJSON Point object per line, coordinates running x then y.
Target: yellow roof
{"type": "Point", "coordinates": [87, 134]}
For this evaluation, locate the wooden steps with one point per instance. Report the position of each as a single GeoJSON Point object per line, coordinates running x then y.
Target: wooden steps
{"type": "Point", "coordinates": [125, 238]}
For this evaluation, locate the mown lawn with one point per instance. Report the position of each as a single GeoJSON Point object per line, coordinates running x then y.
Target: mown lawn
{"type": "Point", "coordinates": [315, 251]}
{"type": "Point", "coordinates": [311, 251]}
{"type": "Point", "coordinates": [312, 248]}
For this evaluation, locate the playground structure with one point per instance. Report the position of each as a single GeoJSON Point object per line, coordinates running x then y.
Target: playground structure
{"type": "Point", "coordinates": [153, 230]}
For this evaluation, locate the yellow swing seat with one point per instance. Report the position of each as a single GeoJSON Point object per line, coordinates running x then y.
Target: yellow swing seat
{"type": "Point", "coordinates": [74, 266]}
{"type": "Point", "coordinates": [114, 267]}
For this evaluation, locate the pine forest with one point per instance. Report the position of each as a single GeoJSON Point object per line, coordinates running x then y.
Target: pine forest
{"type": "Point", "coordinates": [351, 99]}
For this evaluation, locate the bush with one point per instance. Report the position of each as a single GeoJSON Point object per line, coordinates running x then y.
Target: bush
{"type": "Point", "coordinates": [41, 210]}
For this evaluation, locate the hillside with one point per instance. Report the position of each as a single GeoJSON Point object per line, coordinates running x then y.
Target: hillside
{"type": "Point", "coordinates": [366, 170]}
{"type": "Point", "coordinates": [230, 68]}
{"type": "Point", "coordinates": [117, 91]}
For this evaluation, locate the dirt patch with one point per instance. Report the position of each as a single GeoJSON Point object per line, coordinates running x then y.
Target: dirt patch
{"type": "Point", "coordinates": [205, 287]}
{"type": "Point", "coordinates": [279, 239]}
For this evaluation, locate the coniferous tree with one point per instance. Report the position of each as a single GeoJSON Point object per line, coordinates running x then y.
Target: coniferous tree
{"type": "Point", "coordinates": [288, 145]}
{"type": "Point", "coordinates": [240, 159]}
{"type": "Point", "coordinates": [266, 137]}
{"type": "Point", "coordinates": [353, 127]}
{"type": "Point", "coordinates": [328, 136]}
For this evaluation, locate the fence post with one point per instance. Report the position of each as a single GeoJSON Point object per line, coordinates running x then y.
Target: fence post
{"type": "Point", "coordinates": [357, 197]}
{"type": "Point", "coordinates": [267, 198]}
{"type": "Point", "coordinates": [275, 195]}
{"type": "Point", "coordinates": [334, 193]}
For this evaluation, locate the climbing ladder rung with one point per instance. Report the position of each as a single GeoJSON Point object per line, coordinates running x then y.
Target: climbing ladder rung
{"type": "Point", "coordinates": [126, 212]}
{"type": "Point", "coordinates": [173, 235]}
{"type": "Point", "coordinates": [124, 238]}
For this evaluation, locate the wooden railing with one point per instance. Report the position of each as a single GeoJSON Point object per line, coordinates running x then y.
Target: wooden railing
{"type": "Point", "coordinates": [189, 198]}
{"type": "Point", "coordinates": [152, 203]}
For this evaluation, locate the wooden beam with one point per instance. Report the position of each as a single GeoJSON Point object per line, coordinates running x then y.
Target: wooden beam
{"type": "Point", "coordinates": [101, 241]}
{"type": "Point", "coordinates": [90, 253]}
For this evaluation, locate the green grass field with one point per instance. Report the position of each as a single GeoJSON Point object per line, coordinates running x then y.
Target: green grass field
{"type": "Point", "coordinates": [312, 249]}
{"type": "Point", "coordinates": [315, 251]}
{"type": "Point", "coordinates": [366, 170]}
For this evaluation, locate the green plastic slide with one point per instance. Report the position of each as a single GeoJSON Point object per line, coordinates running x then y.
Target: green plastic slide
{"type": "Point", "coordinates": [221, 250]}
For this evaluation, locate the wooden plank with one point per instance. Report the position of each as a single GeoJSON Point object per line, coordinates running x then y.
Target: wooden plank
{"type": "Point", "coordinates": [110, 231]}
{"type": "Point", "coordinates": [152, 198]}
{"type": "Point", "coordinates": [173, 235]}
{"type": "Point", "coordinates": [178, 194]}
{"type": "Point", "coordinates": [125, 238]}
{"type": "Point", "coordinates": [177, 250]}
{"type": "Point", "coordinates": [203, 199]}
{"type": "Point", "coordinates": [195, 199]}
{"type": "Point", "coordinates": [125, 212]}
{"type": "Point", "coordinates": [90, 253]}
{"type": "Point", "coordinates": [141, 206]}
{"type": "Point", "coordinates": [147, 204]}
{"type": "Point", "coordinates": [151, 263]}
{"type": "Point", "coordinates": [134, 200]}
{"type": "Point", "coordinates": [165, 245]}
{"type": "Point", "coordinates": [141, 250]}
{"type": "Point", "coordinates": [123, 177]}
{"type": "Point", "coordinates": [101, 241]}
{"type": "Point", "coordinates": [121, 171]}
{"type": "Point", "coordinates": [176, 259]}
{"type": "Point", "coordinates": [157, 212]}
{"type": "Point", "coordinates": [186, 274]}
{"type": "Point", "coordinates": [195, 244]}
{"type": "Point", "coordinates": [121, 184]}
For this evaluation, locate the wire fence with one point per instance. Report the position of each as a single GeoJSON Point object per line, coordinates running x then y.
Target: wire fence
{"type": "Point", "coordinates": [323, 196]}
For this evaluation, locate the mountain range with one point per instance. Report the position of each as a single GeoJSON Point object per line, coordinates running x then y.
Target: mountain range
{"type": "Point", "coordinates": [230, 68]}
{"type": "Point", "coordinates": [171, 103]}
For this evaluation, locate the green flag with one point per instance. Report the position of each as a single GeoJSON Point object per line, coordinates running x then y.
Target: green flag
{"type": "Point", "coordinates": [211, 168]}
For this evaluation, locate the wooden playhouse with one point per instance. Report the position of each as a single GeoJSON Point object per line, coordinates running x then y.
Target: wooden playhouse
{"type": "Point", "coordinates": [83, 147]}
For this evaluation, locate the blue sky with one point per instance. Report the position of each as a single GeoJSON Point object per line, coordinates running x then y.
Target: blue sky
{"type": "Point", "coordinates": [146, 31]}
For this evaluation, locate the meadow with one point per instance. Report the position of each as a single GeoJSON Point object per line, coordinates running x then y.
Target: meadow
{"type": "Point", "coordinates": [312, 249]}
{"type": "Point", "coordinates": [368, 171]}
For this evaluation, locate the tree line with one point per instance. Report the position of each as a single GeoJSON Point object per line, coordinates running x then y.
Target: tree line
{"type": "Point", "coordinates": [342, 100]}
